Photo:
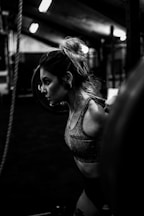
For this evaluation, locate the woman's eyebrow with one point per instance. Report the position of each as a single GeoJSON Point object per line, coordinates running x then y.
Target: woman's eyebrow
{"type": "Point", "coordinates": [46, 78]}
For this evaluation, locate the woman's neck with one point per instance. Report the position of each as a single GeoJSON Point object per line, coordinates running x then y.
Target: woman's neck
{"type": "Point", "coordinates": [76, 100]}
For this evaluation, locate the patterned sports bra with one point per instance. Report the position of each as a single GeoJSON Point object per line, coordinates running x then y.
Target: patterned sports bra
{"type": "Point", "coordinates": [84, 148]}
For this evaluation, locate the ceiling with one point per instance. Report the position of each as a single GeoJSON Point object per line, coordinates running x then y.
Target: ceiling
{"type": "Point", "coordinates": [91, 20]}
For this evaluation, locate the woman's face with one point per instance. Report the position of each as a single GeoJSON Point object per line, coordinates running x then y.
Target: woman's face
{"type": "Point", "coordinates": [52, 87]}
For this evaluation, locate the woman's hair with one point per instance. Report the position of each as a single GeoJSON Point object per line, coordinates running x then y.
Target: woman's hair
{"type": "Point", "coordinates": [70, 57]}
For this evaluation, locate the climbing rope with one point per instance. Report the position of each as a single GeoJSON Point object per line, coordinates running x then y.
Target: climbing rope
{"type": "Point", "coordinates": [12, 107]}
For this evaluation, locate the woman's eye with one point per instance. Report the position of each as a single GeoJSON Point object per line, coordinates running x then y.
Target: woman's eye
{"type": "Point", "coordinates": [46, 82]}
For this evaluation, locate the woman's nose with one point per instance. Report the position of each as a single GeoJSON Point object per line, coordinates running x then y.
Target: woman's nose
{"type": "Point", "coordinates": [42, 88]}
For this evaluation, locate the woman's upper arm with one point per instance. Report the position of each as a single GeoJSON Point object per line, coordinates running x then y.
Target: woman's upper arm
{"type": "Point", "coordinates": [94, 119]}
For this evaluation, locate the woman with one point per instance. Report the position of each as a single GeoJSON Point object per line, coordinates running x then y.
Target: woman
{"type": "Point", "coordinates": [65, 77]}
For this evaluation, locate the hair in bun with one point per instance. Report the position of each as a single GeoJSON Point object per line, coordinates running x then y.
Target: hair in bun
{"type": "Point", "coordinates": [74, 45]}
{"type": "Point", "coordinates": [73, 48]}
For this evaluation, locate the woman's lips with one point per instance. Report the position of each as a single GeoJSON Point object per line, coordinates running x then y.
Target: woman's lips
{"type": "Point", "coordinates": [51, 103]}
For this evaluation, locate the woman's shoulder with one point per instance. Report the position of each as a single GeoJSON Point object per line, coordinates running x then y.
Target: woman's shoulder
{"type": "Point", "coordinates": [95, 108]}
{"type": "Point", "coordinates": [94, 118]}
{"type": "Point", "coordinates": [96, 112]}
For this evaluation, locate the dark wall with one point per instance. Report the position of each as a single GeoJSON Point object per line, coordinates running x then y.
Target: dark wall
{"type": "Point", "coordinates": [39, 171]}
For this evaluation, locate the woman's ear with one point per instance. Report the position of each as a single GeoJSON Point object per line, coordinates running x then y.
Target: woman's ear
{"type": "Point", "coordinates": [68, 79]}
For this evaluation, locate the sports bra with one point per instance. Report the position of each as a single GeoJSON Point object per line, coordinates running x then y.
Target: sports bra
{"type": "Point", "coordinates": [84, 148]}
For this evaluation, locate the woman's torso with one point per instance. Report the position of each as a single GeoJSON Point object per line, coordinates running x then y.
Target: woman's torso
{"type": "Point", "coordinates": [85, 148]}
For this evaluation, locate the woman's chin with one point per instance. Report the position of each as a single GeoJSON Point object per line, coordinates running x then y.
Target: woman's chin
{"type": "Point", "coordinates": [52, 103]}
{"type": "Point", "coordinates": [55, 103]}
